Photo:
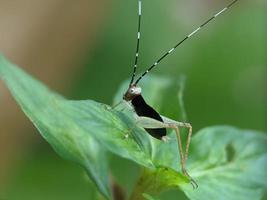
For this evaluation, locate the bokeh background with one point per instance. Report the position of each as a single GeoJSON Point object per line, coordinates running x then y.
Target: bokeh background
{"type": "Point", "coordinates": [84, 49]}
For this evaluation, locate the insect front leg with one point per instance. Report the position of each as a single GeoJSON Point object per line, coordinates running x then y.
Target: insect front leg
{"type": "Point", "coordinates": [121, 106]}
{"type": "Point", "coordinates": [117, 104]}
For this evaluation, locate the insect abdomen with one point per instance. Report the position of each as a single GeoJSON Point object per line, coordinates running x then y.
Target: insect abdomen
{"type": "Point", "coordinates": [143, 109]}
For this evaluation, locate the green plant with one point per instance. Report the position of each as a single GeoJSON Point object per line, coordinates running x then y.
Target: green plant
{"type": "Point", "coordinates": [227, 163]}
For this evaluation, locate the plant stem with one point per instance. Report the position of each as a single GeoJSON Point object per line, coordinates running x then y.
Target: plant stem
{"type": "Point", "coordinates": [145, 184]}
{"type": "Point", "coordinates": [117, 191]}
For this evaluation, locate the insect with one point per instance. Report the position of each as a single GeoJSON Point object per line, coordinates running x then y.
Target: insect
{"type": "Point", "coordinates": [149, 118]}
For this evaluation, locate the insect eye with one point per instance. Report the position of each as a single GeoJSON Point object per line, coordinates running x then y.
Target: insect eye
{"type": "Point", "coordinates": [131, 90]}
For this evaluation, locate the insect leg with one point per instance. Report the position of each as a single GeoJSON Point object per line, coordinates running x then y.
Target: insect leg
{"type": "Point", "coordinates": [146, 122]}
{"type": "Point", "coordinates": [117, 104]}
{"type": "Point", "coordinates": [184, 125]}
{"type": "Point", "coordinates": [189, 127]}
{"type": "Point", "coordinates": [183, 157]}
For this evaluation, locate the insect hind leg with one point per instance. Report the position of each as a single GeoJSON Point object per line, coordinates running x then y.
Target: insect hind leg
{"type": "Point", "coordinates": [188, 140]}
{"type": "Point", "coordinates": [183, 156]}
{"type": "Point", "coordinates": [146, 122]}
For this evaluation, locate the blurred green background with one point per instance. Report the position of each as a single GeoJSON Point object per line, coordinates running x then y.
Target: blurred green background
{"type": "Point", "coordinates": [84, 50]}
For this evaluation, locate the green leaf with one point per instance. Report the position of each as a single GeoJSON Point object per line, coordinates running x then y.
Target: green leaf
{"type": "Point", "coordinates": [45, 109]}
{"type": "Point", "coordinates": [80, 131]}
{"type": "Point", "coordinates": [228, 163]}
{"type": "Point", "coordinates": [110, 127]}
{"type": "Point", "coordinates": [239, 175]}
{"type": "Point", "coordinates": [152, 182]}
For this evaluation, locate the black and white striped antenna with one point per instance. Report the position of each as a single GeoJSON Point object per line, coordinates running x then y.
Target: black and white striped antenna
{"type": "Point", "coordinates": [138, 40]}
{"type": "Point", "coordinates": [173, 48]}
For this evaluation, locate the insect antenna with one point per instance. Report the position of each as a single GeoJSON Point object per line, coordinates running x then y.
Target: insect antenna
{"type": "Point", "coordinates": [183, 40]}
{"type": "Point", "coordinates": [138, 40]}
